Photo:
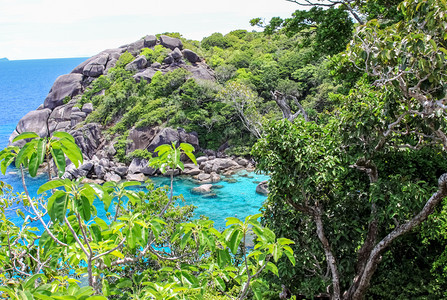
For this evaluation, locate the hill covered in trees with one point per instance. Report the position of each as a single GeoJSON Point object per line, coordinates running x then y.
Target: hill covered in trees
{"type": "Point", "coordinates": [343, 105]}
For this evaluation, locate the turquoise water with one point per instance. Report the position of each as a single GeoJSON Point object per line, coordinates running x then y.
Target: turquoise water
{"type": "Point", "coordinates": [24, 86]}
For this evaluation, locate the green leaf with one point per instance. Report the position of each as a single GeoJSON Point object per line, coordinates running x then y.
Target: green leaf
{"type": "Point", "coordinates": [24, 153]}
{"type": "Point", "coordinates": [223, 257]}
{"type": "Point", "coordinates": [106, 200]}
{"type": "Point", "coordinates": [185, 239]}
{"type": "Point", "coordinates": [101, 223]}
{"type": "Point", "coordinates": [57, 206]}
{"type": "Point", "coordinates": [163, 149]}
{"type": "Point", "coordinates": [219, 283]}
{"type": "Point", "coordinates": [50, 185]}
{"type": "Point", "coordinates": [190, 278]}
{"type": "Point", "coordinates": [192, 157]}
{"type": "Point", "coordinates": [25, 135]}
{"type": "Point", "coordinates": [64, 135]}
{"type": "Point", "coordinates": [186, 147]}
{"type": "Point", "coordinates": [272, 268]}
{"type": "Point", "coordinates": [284, 241]}
{"type": "Point", "coordinates": [41, 150]}
{"type": "Point", "coordinates": [232, 220]}
{"type": "Point", "coordinates": [85, 209]}
{"type": "Point", "coordinates": [84, 291]}
{"type": "Point", "coordinates": [117, 254]}
{"type": "Point", "coordinates": [72, 151]}
{"type": "Point", "coordinates": [124, 283]}
{"type": "Point", "coordinates": [291, 257]}
{"type": "Point", "coordinates": [42, 297]}
{"type": "Point", "coordinates": [235, 240]}
{"type": "Point", "coordinates": [33, 165]}
{"type": "Point", "coordinates": [30, 281]}
{"type": "Point", "coordinates": [6, 162]}
{"type": "Point", "coordinates": [131, 183]}
{"type": "Point", "coordinates": [276, 252]}
{"type": "Point", "coordinates": [59, 160]}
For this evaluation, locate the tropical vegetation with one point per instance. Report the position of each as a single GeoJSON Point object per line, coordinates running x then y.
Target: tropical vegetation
{"type": "Point", "coordinates": [342, 105]}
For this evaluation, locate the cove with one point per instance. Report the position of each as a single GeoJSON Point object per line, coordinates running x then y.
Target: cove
{"type": "Point", "coordinates": [233, 198]}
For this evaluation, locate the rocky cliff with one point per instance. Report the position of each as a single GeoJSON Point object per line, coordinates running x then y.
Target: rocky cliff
{"type": "Point", "coordinates": [61, 110]}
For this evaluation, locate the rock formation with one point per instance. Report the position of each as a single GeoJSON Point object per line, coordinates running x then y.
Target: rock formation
{"type": "Point", "coordinates": [61, 111]}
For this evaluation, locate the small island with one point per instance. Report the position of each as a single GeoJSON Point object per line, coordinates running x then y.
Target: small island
{"type": "Point", "coordinates": [3, 59]}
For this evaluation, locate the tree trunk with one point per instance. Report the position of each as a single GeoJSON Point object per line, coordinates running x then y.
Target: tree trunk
{"type": "Point", "coordinates": [329, 255]}
{"type": "Point", "coordinates": [363, 279]}
{"type": "Point", "coordinates": [281, 101]}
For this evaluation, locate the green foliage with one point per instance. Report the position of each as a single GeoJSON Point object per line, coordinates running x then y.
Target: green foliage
{"type": "Point", "coordinates": [33, 154]}
{"type": "Point", "coordinates": [157, 54]}
{"type": "Point", "coordinates": [331, 29]}
{"type": "Point", "coordinates": [125, 256]}
{"type": "Point", "coordinates": [139, 153]}
{"type": "Point", "coordinates": [215, 40]}
{"type": "Point", "coordinates": [124, 59]}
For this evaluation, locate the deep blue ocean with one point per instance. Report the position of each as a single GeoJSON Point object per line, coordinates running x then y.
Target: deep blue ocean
{"type": "Point", "coordinates": [24, 85]}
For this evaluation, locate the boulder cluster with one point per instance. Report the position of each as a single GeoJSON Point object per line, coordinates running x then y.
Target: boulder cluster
{"type": "Point", "coordinates": [61, 112]}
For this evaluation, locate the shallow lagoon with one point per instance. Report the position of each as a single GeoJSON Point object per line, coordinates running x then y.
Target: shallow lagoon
{"type": "Point", "coordinates": [238, 199]}
{"type": "Point", "coordinates": [24, 86]}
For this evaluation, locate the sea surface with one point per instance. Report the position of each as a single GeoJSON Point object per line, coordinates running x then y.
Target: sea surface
{"type": "Point", "coordinates": [24, 84]}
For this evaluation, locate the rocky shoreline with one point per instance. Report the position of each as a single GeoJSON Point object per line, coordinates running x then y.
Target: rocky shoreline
{"type": "Point", "coordinates": [61, 111]}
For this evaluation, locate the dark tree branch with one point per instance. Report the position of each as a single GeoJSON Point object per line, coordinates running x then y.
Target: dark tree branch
{"type": "Point", "coordinates": [330, 3]}
{"type": "Point", "coordinates": [281, 101]}
{"type": "Point", "coordinates": [362, 281]}
{"type": "Point", "coordinates": [330, 258]}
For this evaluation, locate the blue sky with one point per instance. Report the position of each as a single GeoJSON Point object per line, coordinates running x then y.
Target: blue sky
{"type": "Point", "coordinates": [31, 29]}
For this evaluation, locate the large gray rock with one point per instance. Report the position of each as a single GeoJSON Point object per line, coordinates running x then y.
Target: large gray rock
{"type": "Point", "coordinates": [242, 161]}
{"type": "Point", "coordinates": [168, 60]}
{"type": "Point", "coordinates": [219, 164]}
{"type": "Point", "coordinates": [87, 108]}
{"type": "Point", "coordinates": [201, 159]}
{"type": "Point", "coordinates": [201, 71]}
{"type": "Point", "coordinates": [139, 165]}
{"type": "Point", "coordinates": [88, 138]}
{"type": "Point", "coordinates": [60, 118]}
{"type": "Point", "coordinates": [68, 85]}
{"type": "Point", "coordinates": [121, 170]}
{"type": "Point", "coordinates": [112, 54]}
{"type": "Point", "coordinates": [168, 135]}
{"type": "Point", "coordinates": [62, 113]}
{"type": "Point", "coordinates": [96, 66]}
{"type": "Point", "coordinates": [136, 177]}
{"type": "Point", "coordinates": [150, 41]}
{"type": "Point", "coordinates": [85, 168]}
{"type": "Point", "coordinates": [58, 126]}
{"type": "Point", "coordinates": [141, 138]}
{"type": "Point", "coordinates": [145, 75]}
{"type": "Point", "coordinates": [93, 70]}
{"type": "Point", "coordinates": [204, 177]}
{"type": "Point", "coordinates": [191, 170]}
{"type": "Point", "coordinates": [170, 42]}
{"type": "Point", "coordinates": [202, 189]}
{"type": "Point", "coordinates": [135, 47]}
{"type": "Point", "coordinates": [176, 54]}
{"type": "Point", "coordinates": [77, 117]}
{"type": "Point", "coordinates": [139, 63]}
{"type": "Point", "coordinates": [35, 121]}
{"type": "Point", "coordinates": [111, 176]}
{"type": "Point", "coordinates": [100, 171]}
{"type": "Point", "coordinates": [191, 56]}
{"type": "Point", "coordinates": [262, 188]}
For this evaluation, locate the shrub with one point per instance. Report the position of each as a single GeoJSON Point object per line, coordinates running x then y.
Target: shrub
{"type": "Point", "coordinates": [124, 59]}
{"type": "Point", "coordinates": [216, 39]}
